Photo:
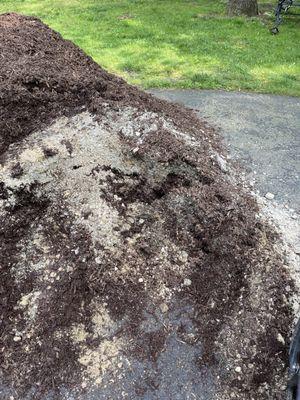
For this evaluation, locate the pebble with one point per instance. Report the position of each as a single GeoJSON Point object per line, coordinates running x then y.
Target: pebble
{"type": "Point", "coordinates": [187, 282]}
{"type": "Point", "coordinates": [141, 280]}
{"type": "Point", "coordinates": [212, 304]}
{"type": "Point", "coordinates": [164, 307]}
{"type": "Point", "coordinates": [269, 196]}
{"type": "Point", "coordinates": [221, 163]}
{"type": "Point", "coordinates": [280, 338]}
{"type": "Point", "coordinates": [17, 338]}
{"type": "Point", "coordinates": [238, 370]}
{"type": "Point", "coordinates": [183, 257]}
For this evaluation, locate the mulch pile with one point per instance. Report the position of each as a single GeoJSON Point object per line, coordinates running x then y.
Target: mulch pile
{"type": "Point", "coordinates": [43, 76]}
{"type": "Point", "coordinates": [237, 281]}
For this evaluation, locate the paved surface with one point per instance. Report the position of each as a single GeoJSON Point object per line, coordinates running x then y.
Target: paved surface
{"type": "Point", "coordinates": [263, 131]}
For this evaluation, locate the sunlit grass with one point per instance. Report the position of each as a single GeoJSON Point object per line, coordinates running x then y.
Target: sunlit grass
{"type": "Point", "coordinates": [178, 43]}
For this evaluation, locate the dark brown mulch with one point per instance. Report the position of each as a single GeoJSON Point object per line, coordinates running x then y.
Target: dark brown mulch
{"type": "Point", "coordinates": [43, 77]}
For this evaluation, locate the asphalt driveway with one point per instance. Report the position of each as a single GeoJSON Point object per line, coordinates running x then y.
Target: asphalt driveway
{"type": "Point", "coordinates": [262, 131]}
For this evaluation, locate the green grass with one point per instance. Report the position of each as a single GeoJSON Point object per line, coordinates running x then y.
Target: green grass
{"type": "Point", "coordinates": [178, 43]}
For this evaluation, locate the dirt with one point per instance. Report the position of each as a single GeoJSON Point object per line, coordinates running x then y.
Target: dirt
{"type": "Point", "coordinates": [117, 208]}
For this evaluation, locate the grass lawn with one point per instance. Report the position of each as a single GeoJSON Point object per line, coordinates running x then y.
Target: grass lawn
{"type": "Point", "coordinates": [178, 43]}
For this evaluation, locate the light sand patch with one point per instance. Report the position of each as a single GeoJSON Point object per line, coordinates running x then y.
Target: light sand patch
{"type": "Point", "coordinates": [31, 155]}
{"type": "Point", "coordinates": [102, 360]}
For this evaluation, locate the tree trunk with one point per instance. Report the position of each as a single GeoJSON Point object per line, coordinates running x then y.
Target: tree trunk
{"type": "Point", "coordinates": [243, 7]}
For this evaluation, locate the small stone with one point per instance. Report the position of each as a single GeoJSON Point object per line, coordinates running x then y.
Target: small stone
{"type": "Point", "coordinates": [76, 251]}
{"type": "Point", "coordinates": [238, 370]}
{"type": "Point", "coordinates": [164, 307]}
{"type": "Point", "coordinates": [141, 280]}
{"type": "Point", "coordinates": [84, 385]}
{"type": "Point", "coordinates": [183, 257]}
{"type": "Point", "coordinates": [17, 338]}
{"type": "Point", "coordinates": [280, 338]}
{"type": "Point", "coordinates": [52, 274]}
{"type": "Point", "coordinates": [221, 163]}
{"type": "Point", "coordinates": [269, 196]}
{"type": "Point", "coordinates": [98, 260]}
{"type": "Point", "coordinates": [24, 300]}
{"type": "Point", "coordinates": [187, 282]}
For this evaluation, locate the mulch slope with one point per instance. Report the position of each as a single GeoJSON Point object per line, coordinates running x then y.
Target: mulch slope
{"type": "Point", "coordinates": [42, 77]}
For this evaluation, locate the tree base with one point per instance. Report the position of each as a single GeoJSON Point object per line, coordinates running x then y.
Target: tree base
{"type": "Point", "coordinates": [243, 7]}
